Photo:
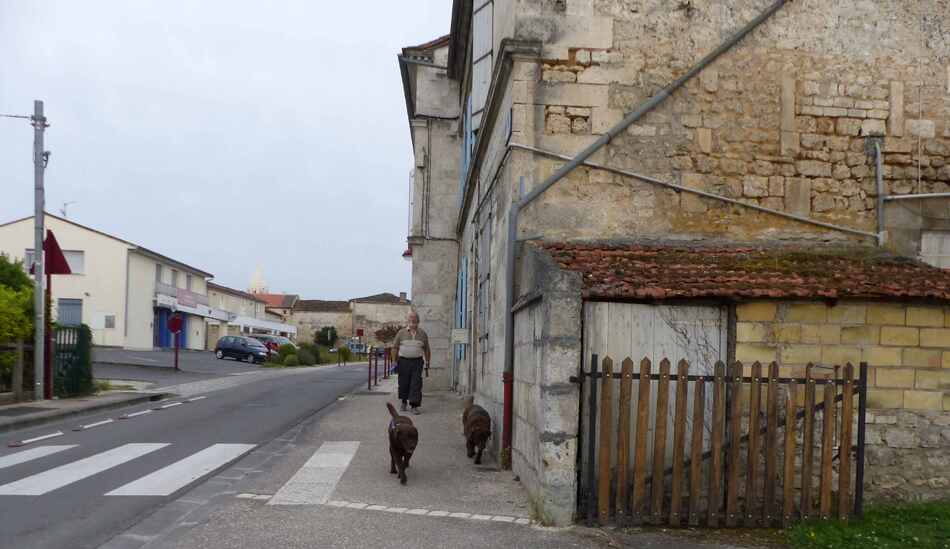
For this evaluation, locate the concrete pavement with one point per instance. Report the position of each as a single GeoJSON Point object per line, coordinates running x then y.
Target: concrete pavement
{"type": "Point", "coordinates": [326, 483]}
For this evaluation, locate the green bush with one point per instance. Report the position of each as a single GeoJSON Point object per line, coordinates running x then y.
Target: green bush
{"type": "Point", "coordinates": [306, 357]}
{"type": "Point", "coordinates": [291, 360]}
{"type": "Point", "coordinates": [286, 350]}
{"type": "Point", "coordinates": [326, 336]}
{"type": "Point", "coordinates": [312, 350]}
{"type": "Point", "coordinates": [345, 353]}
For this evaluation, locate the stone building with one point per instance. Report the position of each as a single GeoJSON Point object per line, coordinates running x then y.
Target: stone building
{"type": "Point", "coordinates": [778, 200]}
{"type": "Point", "coordinates": [374, 312]}
{"type": "Point", "coordinates": [312, 315]}
{"type": "Point", "coordinates": [432, 105]}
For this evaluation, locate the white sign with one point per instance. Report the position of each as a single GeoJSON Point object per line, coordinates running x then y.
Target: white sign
{"type": "Point", "coordinates": [460, 335]}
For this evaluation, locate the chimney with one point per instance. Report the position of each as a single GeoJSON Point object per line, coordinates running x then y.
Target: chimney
{"type": "Point", "coordinates": [402, 297]}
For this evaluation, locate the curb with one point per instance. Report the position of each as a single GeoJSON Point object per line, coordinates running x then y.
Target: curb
{"type": "Point", "coordinates": [55, 415]}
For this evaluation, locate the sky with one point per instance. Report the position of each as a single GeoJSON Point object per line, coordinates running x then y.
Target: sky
{"type": "Point", "coordinates": [225, 134]}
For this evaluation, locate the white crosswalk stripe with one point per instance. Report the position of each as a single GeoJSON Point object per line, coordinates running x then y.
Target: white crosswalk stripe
{"type": "Point", "coordinates": [64, 475]}
{"type": "Point", "coordinates": [31, 454]}
{"type": "Point", "coordinates": [172, 478]}
{"type": "Point", "coordinates": [314, 483]}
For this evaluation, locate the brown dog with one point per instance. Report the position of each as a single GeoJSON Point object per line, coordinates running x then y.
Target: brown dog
{"type": "Point", "coordinates": [476, 424]}
{"type": "Point", "coordinates": [403, 438]}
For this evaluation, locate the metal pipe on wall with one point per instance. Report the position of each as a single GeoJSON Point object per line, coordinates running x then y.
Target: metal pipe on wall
{"type": "Point", "coordinates": [581, 157]}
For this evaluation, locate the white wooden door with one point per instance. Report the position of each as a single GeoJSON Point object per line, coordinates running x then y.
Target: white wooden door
{"type": "Point", "coordinates": [697, 334]}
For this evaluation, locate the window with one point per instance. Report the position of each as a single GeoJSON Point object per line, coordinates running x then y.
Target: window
{"type": "Point", "coordinates": [188, 282]}
{"type": "Point", "coordinates": [484, 283]}
{"type": "Point", "coordinates": [158, 272]}
{"type": "Point", "coordinates": [482, 36]}
{"type": "Point", "coordinates": [174, 278]}
{"type": "Point", "coordinates": [74, 258]}
{"type": "Point", "coordinates": [69, 312]}
{"type": "Point", "coordinates": [110, 321]}
{"type": "Point", "coordinates": [935, 248]}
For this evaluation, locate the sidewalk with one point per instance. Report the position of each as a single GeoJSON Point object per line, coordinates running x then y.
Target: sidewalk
{"type": "Point", "coordinates": [28, 414]}
{"type": "Point", "coordinates": [326, 483]}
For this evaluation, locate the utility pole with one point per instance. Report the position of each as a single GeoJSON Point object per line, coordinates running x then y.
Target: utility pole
{"type": "Point", "coordinates": [39, 325]}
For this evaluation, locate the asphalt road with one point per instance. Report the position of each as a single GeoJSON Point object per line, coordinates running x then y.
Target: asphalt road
{"type": "Point", "coordinates": [60, 499]}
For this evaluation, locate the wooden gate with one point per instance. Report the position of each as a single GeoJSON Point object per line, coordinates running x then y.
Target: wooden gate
{"type": "Point", "coordinates": [767, 451]}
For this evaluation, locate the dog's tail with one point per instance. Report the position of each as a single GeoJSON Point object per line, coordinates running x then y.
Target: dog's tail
{"type": "Point", "coordinates": [392, 409]}
{"type": "Point", "coordinates": [469, 401]}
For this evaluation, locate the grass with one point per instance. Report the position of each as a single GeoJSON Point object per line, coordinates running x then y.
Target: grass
{"type": "Point", "coordinates": [914, 525]}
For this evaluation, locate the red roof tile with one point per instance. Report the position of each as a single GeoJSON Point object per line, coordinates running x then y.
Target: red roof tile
{"type": "Point", "coordinates": [279, 301]}
{"type": "Point", "coordinates": [634, 271]}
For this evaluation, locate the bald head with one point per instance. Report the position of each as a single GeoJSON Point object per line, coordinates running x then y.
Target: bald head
{"type": "Point", "coordinates": [412, 320]}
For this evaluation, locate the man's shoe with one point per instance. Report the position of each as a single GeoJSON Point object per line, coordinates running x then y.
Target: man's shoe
{"type": "Point", "coordinates": [416, 410]}
{"type": "Point", "coordinates": [403, 408]}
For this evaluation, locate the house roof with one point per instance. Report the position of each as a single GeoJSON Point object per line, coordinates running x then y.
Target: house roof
{"type": "Point", "coordinates": [634, 271]}
{"type": "Point", "coordinates": [279, 301]}
{"type": "Point", "coordinates": [136, 247]}
{"type": "Point", "coordinates": [321, 306]}
{"type": "Point", "coordinates": [232, 291]}
{"type": "Point", "coordinates": [385, 297]}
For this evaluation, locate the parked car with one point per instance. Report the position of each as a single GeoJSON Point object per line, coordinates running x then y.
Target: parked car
{"type": "Point", "coordinates": [241, 348]}
{"type": "Point", "coordinates": [273, 342]}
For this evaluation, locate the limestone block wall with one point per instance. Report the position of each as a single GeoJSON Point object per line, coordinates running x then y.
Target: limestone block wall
{"type": "Point", "coordinates": [907, 347]}
{"type": "Point", "coordinates": [791, 138]}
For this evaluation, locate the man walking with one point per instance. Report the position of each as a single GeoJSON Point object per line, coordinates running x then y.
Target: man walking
{"type": "Point", "coordinates": [411, 347]}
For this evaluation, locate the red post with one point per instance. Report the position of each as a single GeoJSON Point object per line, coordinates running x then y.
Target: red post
{"type": "Point", "coordinates": [508, 380]}
{"type": "Point", "coordinates": [177, 344]}
{"type": "Point", "coordinates": [48, 355]}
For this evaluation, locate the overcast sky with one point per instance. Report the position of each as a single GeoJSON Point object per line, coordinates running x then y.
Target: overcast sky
{"type": "Point", "coordinates": [224, 134]}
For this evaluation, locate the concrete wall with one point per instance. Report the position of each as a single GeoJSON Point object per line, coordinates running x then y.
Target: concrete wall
{"type": "Point", "coordinates": [101, 286]}
{"type": "Point", "coordinates": [141, 302]}
{"type": "Point", "coordinates": [434, 264]}
{"type": "Point", "coordinates": [907, 347]}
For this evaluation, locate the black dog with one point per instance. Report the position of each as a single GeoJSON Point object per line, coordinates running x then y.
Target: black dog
{"type": "Point", "coordinates": [403, 438]}
{"type": "Point", "coordinates": [476, 424]}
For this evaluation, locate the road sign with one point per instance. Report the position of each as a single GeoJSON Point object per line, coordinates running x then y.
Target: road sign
{"type": "Point", "coordinates": [174, 324]}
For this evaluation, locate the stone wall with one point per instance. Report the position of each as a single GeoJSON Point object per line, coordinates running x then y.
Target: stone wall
{"type": "Point", "coordinates": [309, 323]}
{"type": "Point", "coordinates": [547, 348]}
{"type": "Point", "coordinates": [791, 139]}
{"type": "Point", "coordinates": [371, 317]}
{"type": "Point", "coordinates": [907, 348]}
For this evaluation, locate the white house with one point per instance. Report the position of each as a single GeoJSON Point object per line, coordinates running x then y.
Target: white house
{"type": "Point", "coordinates": [125, 293]}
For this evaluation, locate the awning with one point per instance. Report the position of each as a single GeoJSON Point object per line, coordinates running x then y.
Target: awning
{"type": "Point", "coordinates": [257, 323]}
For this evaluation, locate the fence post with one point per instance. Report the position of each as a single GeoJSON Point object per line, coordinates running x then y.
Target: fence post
{"type": "Point", "coordinates": [859, 461]}
{"type": "Point", "coordinates": [369, 376]}
{"type": "Point", "coordinates": [18, 373]}
{"type": "Point", "coordinates": [592, 443]}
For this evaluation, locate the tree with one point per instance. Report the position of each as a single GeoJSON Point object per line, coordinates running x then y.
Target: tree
{"type": "Point", "coordinates": [12, 274]}
{"type": "Point", "coordinates": [386, 333]}
{"type": "Point", "coordinates": [16, 322]}
{"type": "Point", "coordinates": [326, 336]}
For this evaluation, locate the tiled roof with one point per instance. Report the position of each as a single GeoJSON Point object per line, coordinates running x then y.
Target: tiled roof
{"type": "Point", "coordinates": [381, 298]}
{"type": "Point", "coordinates": [321, 306]}
{"type": "Point", "coordinates": [279, 301]}
{"type": "Point", "coordinates": [434, 43]}
{"type": "Point", "coordinates": [634, 271]}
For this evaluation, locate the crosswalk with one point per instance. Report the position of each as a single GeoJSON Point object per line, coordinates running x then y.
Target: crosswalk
{"type": "Point", "coordinates": [161, 482]}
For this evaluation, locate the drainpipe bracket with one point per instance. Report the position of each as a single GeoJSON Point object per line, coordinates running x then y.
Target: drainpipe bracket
{"type": "Point", "coordinates": [870, 141]}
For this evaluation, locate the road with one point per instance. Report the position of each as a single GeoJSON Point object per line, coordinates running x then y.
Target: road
{"type": "Point", "coordinates": [83, 488]}
{"type": "Point", "coordinates": [157, 367]}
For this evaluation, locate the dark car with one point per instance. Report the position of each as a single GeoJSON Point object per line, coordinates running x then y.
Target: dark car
{"type": "Point", "coordinates": [241, 348]}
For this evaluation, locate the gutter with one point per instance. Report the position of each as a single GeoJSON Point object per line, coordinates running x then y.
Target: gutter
{"type": "Point", "coordinates": [580, 158]}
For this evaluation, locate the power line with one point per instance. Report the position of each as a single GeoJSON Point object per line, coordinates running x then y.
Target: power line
{"type": "Point", "coordinates": [25, 117]}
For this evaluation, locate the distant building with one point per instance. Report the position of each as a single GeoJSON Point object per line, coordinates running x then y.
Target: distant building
{"type": "Point", "coordinates": [246, 313]}
{"type": "Point", "coordinates": [368, 314]}
{"type": "Point", "coordinates": [312, 315]}
{"type": "Point", "coordinates": [282, 304]}
{"type": "Point", "coordinates": [125, 292]}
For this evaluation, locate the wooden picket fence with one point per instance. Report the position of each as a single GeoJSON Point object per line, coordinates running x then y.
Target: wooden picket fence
{"type": "Point", "coordinates": [733, 458]}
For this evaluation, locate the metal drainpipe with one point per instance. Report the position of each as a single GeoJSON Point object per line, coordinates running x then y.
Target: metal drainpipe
{"type": "Point", "coordinates": [879, 177]}
{"type": "Point", "coordinates": [516, 207]}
